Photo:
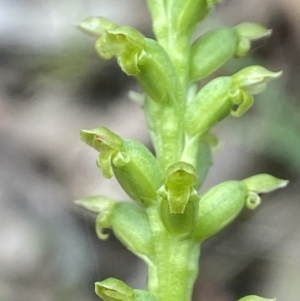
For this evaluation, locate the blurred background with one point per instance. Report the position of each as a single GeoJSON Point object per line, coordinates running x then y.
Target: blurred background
{"type": "Point", "coordinates": [52, 84]}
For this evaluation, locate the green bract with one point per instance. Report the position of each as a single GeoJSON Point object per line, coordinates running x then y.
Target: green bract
{"type": "Point", "coordinates": [170, 220]}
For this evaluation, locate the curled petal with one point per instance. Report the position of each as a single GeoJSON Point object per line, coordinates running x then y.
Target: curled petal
{"type": "Point", "coordinates": [244, 103]}
{"type": "Point", "coordinates": [253, 200]}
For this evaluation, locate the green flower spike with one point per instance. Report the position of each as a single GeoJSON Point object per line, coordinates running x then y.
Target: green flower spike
{"type": "Point", "coordinates": [225, 95]}
{"type": "Point", "coordinates": [223, 203]}
{"type": "Point", "coordinates": [134, 166]}
{"type": "Point", "coordinates": [255, 298]}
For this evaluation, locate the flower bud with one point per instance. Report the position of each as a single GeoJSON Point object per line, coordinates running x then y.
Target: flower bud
{"type": "Point", "coordinates": [223, 96]}
{"type": "Point", "coordinates": [212, 104]}
{"type": "Point", "coordinates": [222, 203]}
{"type": "Point", "coordinates": [157, 74]}
{"type": "Point", "coordinates": [112, 289]}
{"type": "Point", "coordinates": [212, 50]}
{"type": "Point", "coordinates": [179, 185]}
{"type": "Point", "coordinates": [130, 224]}
{"type": "Point", "coordinates": [102, 205]}
{"type": "Point", "coordinates": [218, 208]}
{"type": "Point", "coordinates": [134, 166]}
{"type": "Point", "coordinates": [140, 174]}
{"type": "Point", "coordinates": [179, 199]}
{"type": "Point", "coordinates": [179, 223]}
{"type": "Point", "coordinates": [255, 298]}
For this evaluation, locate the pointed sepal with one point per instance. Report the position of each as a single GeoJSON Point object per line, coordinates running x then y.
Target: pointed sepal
{"type": "Point", "coordinates": [264, 183]}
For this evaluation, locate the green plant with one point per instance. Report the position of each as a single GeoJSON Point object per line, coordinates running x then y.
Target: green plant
{"type": "Point", "coordinates": [170, 220]}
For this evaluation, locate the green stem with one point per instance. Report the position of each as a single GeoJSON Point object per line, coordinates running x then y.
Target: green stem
{"type": "Point", "coordinates": [174, 269]}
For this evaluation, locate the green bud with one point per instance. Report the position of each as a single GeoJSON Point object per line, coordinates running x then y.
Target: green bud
{"type": "Point", "coordinates": [128, 221]}
{"type": "Point", "coordinates": [107, 143]}
{"type": "Point", "coordinates": [112, 289]}
{"type": "Point", "coordinates": [218, 208]}
{"type": "Point", "coordinates": [179, 199]}
{"type": "Point", "coordinates": [179, 186]}
{"type": "Point", "coordinates": [223, 203]}
{"type": "Point", "coordinates": [254, 79]}
{"type": "Point", "coordinates": [179, 223]}
{"type": "Point", "coordinates": [140, 175]}
{"type": "Point", "coordinates": [255, 298]}
{"type": "Point", "coordinates": [102, 205]}
{"type": "Point", "coordinates": [157, 74]}
{"type": "Point", "coordinates": [131, 226]}
{"type": "Point", "coordinates": [211, 51]}
{"type": "Point", "coordinates": [137, 56]}
{"type": "Point", "coordinates": [213, 103]}
{"type": "Point", "coordinates": [264, 183]}
{"type": "Point", "coordinates": [223, 96]}
{"type": "Point", "coordinates": [134, 166]}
